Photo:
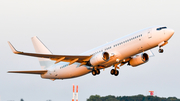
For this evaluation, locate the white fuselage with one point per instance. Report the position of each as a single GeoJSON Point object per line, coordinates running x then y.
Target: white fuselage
{"type": "Point", "coordinates": [120, 49]}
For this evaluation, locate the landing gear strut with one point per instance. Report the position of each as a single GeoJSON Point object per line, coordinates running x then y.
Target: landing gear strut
{"type": "Point", "coordinates": [95, 72]}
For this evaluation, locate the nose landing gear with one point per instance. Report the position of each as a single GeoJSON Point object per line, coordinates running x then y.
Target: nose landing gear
{"type": "Point", "coordinates": [161, 50]}
{"type": "Point", "coordinates": [161, 45]}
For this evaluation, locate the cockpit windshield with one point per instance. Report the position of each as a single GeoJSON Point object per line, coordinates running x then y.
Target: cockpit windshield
{"type": "Point", "coordinates": [161, 28]}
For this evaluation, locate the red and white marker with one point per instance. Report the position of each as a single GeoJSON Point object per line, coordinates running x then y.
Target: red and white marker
{"type": "Point", "coordinates": [73, 93]}
{"type": "Point", "coordinates": [75, 96]}
{"type": "Point", "coordinates": [77, 93]}
{"type": "Point", "coordinates": [151, 93]}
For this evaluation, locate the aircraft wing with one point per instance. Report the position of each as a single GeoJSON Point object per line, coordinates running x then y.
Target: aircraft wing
{"type": "Point", "coordinates": [30, 72]}
{"type": "Point", "coordinates": [57, 58]}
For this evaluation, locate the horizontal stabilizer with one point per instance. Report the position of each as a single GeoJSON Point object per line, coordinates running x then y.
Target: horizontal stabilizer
{"type": "Point", "coordinates": [30, 72]}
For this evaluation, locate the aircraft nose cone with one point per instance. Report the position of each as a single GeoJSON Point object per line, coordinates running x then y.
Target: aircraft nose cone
{"type": "Point", "coordinates": [170, 32]}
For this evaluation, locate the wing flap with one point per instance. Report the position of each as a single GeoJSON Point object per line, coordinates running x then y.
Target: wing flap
{"type": "Point", "coordinates": [30, 72]}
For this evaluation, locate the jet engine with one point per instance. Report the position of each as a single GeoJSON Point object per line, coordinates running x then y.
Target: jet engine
{"type": "Point", "coordinates": [99, 58]}
{"type": "Point", "coordinates": [139, 59]}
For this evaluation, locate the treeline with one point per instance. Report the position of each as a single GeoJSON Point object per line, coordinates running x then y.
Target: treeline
{"type": "Point", "coordinates": [130, 98]}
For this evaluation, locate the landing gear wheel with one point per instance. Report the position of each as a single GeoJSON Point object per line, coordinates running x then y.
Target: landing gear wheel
{"type": "Point", "coordinates": [116, 73]}
{"type": "Point", "coordinates": [112, 71]}
{"type": "Point", "coordinates": [161, 50]}
{"type": "Point", "coordinates": [93, 72]}
{"type": "Point", "coordinates": [97, 71]}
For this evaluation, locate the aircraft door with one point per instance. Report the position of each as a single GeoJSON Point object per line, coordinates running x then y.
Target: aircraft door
{"type": "Point", "coordinates": [149, 34]}
{"type": "Point", "coordinates": [141, 44]}
{"type": "Point", "coordinates": [149, 38]}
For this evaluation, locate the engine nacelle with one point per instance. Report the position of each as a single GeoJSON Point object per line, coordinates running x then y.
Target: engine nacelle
{"type": "Point", "coordinates": [138, 60]}
{"type": "Point", "coordinates": [99, 58]}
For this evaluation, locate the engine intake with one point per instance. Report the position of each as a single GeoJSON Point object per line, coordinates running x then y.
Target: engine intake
{"type": "Point", "coordinates": [99, 58]}
{"type": "Point", "coordinates": [138, 60]}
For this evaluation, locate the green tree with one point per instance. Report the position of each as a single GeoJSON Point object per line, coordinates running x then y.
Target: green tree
{"type": "Point", "coordinates": [172, 99]}
{"type": "Point", "coordinates": [131, 98]}
{"type": "Point", "coordinates": [94, 98]}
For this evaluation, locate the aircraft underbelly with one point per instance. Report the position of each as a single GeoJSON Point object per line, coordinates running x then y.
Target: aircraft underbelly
{"type": "Point", "coordinates": [73, 71]}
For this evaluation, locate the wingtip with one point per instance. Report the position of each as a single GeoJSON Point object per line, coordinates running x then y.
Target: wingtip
{"type": "Point", "coordinates": [34, 37]}
{"type": "Point", "coordinates": [12, 48]}
{"type": "Point", "coordinates": [9, 72]}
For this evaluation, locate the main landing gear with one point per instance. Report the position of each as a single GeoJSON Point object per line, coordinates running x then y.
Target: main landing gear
{"type": "Point", "coordinates": [115, 71]}
{"type": "Point", "coordinates": [95, 72]}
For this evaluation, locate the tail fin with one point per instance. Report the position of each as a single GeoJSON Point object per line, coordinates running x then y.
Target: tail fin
{"type": "Point", "coordinates": [41, 48]}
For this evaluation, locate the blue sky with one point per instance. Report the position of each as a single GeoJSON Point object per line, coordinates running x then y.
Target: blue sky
{"type": "Point", "coordinates": [75, 26]}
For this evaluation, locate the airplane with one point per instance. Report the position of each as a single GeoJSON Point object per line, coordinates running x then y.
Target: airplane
{"type": "Point", "coordinates": [130, 49]}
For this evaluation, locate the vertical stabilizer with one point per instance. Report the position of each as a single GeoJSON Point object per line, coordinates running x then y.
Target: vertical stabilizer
{"type": "Point", "coordinates": [42, 49]}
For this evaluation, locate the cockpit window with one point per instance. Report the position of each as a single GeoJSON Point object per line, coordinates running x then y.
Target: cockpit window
{"type": "Point", "coordinates": [161, 28]}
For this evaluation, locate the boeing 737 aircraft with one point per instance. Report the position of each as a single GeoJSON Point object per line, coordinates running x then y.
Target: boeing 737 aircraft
{"type": "Point", "coordinates": [128, 50]}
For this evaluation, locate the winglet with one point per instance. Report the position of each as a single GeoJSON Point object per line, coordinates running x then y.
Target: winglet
{"type": "Point", "coordinates": [13, 49]}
